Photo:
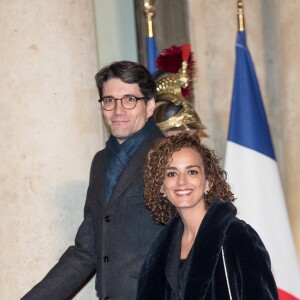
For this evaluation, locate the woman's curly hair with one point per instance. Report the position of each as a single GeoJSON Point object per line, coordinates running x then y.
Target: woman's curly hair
{"type": "Point", "coordinates": [159, 158]}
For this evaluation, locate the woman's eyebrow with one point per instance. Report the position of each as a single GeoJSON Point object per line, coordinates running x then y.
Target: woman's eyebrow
{"type": "Point", "coordinates": [187, 167]}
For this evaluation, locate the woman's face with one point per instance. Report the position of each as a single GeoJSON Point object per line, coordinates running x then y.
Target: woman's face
{"type": "Point", "coordinates": [185, 182]}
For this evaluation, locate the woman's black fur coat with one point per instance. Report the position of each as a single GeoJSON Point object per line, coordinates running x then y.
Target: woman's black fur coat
{"type": "Point", "coordinates": [247, 261]}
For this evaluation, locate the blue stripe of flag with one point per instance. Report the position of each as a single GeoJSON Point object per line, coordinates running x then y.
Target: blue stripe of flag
{"type": "Point", "coordinates": [248, 123]}
{"type": "Point", "coordinates": [151, 54]}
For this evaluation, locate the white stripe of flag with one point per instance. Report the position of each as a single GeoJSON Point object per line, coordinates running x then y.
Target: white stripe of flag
{"type": "Point", "coordinates": [254, 176]}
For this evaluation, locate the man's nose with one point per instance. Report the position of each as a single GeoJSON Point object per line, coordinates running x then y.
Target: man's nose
{"type": "Point", "coordinates": [119, 109]}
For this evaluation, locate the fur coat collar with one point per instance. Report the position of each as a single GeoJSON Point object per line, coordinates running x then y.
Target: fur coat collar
{"type": "Point", "coordinates": [205, 278]}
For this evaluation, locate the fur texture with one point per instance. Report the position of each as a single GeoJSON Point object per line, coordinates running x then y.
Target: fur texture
{"type": "Point", "coordinates": [247, 260]}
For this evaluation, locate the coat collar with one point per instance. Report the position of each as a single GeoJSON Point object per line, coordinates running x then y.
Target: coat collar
{"type": "Point", "coordinates": [206, 249]}
{"type": "Point", "coordinates": [173, 262]}
{"type": "Point", "coordinates": [97, 179]}
{"type": "Point", "coordinates": [138, 159]}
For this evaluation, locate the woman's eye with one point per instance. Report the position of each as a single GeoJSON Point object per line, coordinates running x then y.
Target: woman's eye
{"type": "Point", "coordinates": [171, 174]}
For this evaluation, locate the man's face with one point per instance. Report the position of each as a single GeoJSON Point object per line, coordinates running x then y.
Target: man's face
{"type": "Point", "coordinates": [123, 123]}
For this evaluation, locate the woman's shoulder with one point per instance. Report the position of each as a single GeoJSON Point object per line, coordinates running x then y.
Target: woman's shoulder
{"type": "Point", "coordinates": [239, 229]}
{"type": "Point", "coordinates": [242, 237]}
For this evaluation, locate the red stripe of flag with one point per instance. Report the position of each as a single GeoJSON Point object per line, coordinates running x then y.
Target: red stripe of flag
{"type": "Point", "coordinates": [286, 296]}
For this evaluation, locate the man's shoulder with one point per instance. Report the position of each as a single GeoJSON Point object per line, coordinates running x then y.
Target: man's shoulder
{"type": "Point", "coordinates": [153, 136]}
{"type": "Point", "coordinates": [100, 153]}
{"type": "Point", "coordinates": [149, 142]}
{"type": "Point", "coordinates": [156, 133]}
{"type": "Point", "coordinates": [99, 156]}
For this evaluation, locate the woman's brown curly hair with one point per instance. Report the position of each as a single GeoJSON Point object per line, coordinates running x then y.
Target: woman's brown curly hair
{"type": "Point", "coordinates": [157, 161]}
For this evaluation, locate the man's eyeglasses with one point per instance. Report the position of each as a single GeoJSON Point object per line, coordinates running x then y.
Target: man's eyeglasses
{"type": "Point", "coordinates": [128, 102]}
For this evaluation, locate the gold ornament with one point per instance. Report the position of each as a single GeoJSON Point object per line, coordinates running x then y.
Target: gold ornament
{"type": "Point", "coordinates": [169, 94]}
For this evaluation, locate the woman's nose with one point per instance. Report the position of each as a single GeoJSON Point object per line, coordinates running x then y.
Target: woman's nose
{"type": "Point", "coordinates": [182, 179]}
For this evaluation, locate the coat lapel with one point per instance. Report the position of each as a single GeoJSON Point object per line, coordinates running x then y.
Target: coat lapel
{"type": "Point", "coordinates": [207, 249]}
{"type": "Point", "coordinates": [152, 280]}
{"type": "Point", "coordinates": [173, 259]}
{"type": "Point", "coordinates": [97, 182]}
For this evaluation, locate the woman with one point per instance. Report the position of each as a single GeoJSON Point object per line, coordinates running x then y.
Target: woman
{"type": "Point", "coordinates": [205, 251]}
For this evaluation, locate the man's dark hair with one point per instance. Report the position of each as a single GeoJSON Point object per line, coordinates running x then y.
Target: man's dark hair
{"type": "Point", "coordinates": [128, 72]}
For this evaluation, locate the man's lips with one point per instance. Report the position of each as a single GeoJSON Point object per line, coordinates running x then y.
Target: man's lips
{"type": "Point", "coordinates": [116, 121]}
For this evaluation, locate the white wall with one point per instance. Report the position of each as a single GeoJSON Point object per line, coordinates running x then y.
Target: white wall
{"type": "Point", "coordinates": [50, 128]}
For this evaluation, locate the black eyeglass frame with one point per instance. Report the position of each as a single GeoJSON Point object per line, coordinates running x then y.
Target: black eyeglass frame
{"type": "Point", "coordinates": [121, 99]}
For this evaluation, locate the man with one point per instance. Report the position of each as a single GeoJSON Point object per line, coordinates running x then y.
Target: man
{"type": "Point", "coordinates": [117, 229]}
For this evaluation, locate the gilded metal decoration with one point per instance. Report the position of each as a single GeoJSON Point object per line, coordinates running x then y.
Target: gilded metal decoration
{"type": "Point", "coordinates": [149, 12]}
{"type": "Point", "coordinates": [240, 16]}
{"type": "Point", "coordinates": [169, 91]}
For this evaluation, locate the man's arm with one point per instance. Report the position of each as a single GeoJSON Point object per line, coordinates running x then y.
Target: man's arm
{"type": "Point", "coordinates": [74, 266]}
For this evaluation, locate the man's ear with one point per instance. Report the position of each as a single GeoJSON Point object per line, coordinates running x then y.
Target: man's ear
{"type": "Point", "coordinates": [150, 107]}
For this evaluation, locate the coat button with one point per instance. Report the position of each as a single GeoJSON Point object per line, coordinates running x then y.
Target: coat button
{"type": "Point", "coordinates": [107, 219]}
{"type": "Point", "coordinates": [105, 259]}
{"type": "Point", "coordinates": [107, 298]}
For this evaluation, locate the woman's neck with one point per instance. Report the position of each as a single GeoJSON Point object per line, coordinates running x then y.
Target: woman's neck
{"type": "Point", "coordinates": [192, 219]}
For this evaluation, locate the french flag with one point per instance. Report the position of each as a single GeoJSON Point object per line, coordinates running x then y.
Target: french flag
{"type": "Point", "coordinates": [253, 173]}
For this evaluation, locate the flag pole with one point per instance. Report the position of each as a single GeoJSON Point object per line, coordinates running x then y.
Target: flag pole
{"type": "Point", "coordinates": [240, 16]}
{"type": "Point", "coordinates": [149, 12]}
